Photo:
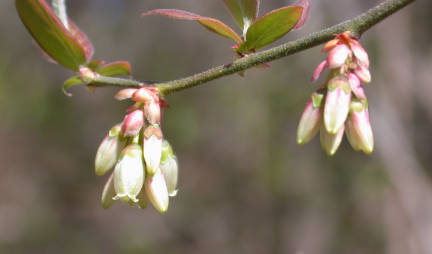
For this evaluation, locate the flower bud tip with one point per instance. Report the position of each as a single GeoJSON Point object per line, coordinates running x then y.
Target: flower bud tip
{"type": "Point", "coordinates": [309, 123]}
{"type": "Point", "coordinates": [331, 142]}
{"type": "Point", "coordinates": [157, 191]}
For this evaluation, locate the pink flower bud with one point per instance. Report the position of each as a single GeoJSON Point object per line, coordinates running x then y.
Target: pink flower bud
{"type": "Point", "coordinates": [337, 104]}
{"type": "Point", "coordinates": [142, 95]}
{"type": "Point", "coordinates": [358, 128]}
{"type": "Point", "coordinates": [129, 174]}
{"type": "Point", "coordinates": [152, 112]}
{"type": "Point", "coordinates": [355, 85]}
{"type": "Point", "coordinates": [108, 193]}
{"type": "Point", "coordinates": [330, 45]}
{"type": "Point", "coordinates": [108, 151]}
{"type": "Point", "coordinates": [318, 70]}
{"type": "Point", "coordinates": [363, 73]}
{"type": "Point", "coordinates": [310, 122]}
{"type": "Point", "coordinates": [337, 56]}
{"type": "Point", "coordinates": [125, 94]}
{"type": "Point", "coordinates": [330, 142]}
{"type": "Point", "coordinates": [152, 148]}
{"type": "Point", "coordinates": [157, 191]}
{"type": "Point", "coordinates": [360, 53]}
{"type": "Point", "coordinates": [132, 123]}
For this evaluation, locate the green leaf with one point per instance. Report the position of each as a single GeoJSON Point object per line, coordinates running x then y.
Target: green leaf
{"type": "Point", "coordinates": [211, 24]}
{"type": "Point", "coordinates": [76, 80]}
{"type": "Point", "coordinates": [51, 35]}
{"type": "Point", "coordinates": [243, 11]}
{"type": "Point", "coordinates": [270, 27]}
{"type": "Point", "coordinates": [119, 68]}
{"type": "Point", "coordinates": [82, 40]}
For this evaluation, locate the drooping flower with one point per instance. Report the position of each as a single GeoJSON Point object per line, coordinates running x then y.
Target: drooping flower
{"type": "Point", "coordinates": [109, 150]}
{"type": "Point", "coordinates": [169, 168]}
{"type": "Point", "coordinates": [337, 103]}
{"type": "Point", "coordinates": [330, 142]}
{"type": "Point", "coordinates": [359, 130]}
{"type": "Point", "coordinates": [157, 191]}
{"type": "Point", "coordinates": [129, 174]}
{"type": "Point", "coordinates": [152, 148]}
{"type": "Point", "coordinates": [311, 119]}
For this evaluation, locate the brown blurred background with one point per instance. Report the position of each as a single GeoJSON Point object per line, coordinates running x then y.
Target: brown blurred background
{"type": "Point", "coordinates": [245, 186]}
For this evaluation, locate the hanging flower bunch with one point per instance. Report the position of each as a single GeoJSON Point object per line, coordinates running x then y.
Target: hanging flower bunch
{"type": "Point", "coordinates": [340, 105]}
{"type": "Point", "coordinates": [145, 167]}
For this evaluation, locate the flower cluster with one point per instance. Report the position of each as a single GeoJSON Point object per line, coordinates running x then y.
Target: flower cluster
{"type": "Point", "coordinates": [340, 105]}
{"type": "Point", "coordinates": [145, 167]}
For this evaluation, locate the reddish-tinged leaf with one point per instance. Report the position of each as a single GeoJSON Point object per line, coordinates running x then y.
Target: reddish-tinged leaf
{"type": "Point", "coordinates": [305, 4]}
{"type": "Point", "coordinates": [211, 24]}
{"type": "Point", "coordinates": [270, 27]}
{"type": "Point", "coordinates": [50, 33]}
{"type": "Point", "coordinates": [82, 40]}
{"type": "Point", "coordinates": [243, 11]}
{"type": "Point", "coordinates": [120, 68]}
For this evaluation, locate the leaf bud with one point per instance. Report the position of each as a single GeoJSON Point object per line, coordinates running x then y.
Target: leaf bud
{"type": "Point", "coordinates": [87, 75]}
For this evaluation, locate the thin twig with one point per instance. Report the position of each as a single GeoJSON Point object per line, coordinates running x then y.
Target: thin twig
{"type": "Point", "coordinates": [357, 26]}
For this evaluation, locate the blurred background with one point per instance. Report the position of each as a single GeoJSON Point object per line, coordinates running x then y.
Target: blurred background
{"type": "Point", "coordinates": [245, 186]}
